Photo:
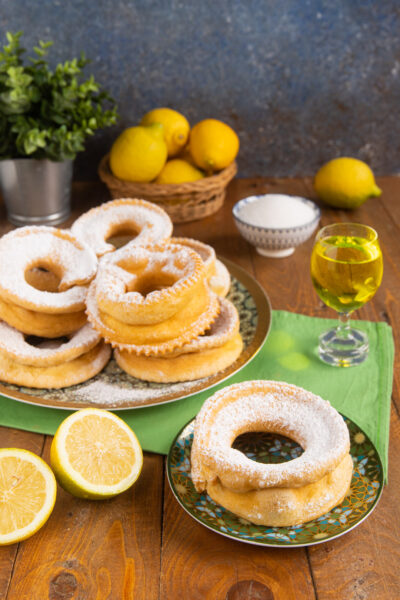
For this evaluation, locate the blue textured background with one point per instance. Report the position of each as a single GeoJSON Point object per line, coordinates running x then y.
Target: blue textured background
{"type": "Point", "coordinates": [301, 81]}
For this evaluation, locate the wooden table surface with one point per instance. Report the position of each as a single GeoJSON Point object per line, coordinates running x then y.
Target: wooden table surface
{"type": "Point", "coordinates": [142, 545]}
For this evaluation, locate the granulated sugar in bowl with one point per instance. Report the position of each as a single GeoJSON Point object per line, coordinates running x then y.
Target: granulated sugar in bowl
{"type": "Point", "coordinates": [276, 223]}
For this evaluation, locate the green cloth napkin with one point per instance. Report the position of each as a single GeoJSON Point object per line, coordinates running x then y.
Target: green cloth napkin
{"type": "Point", "coordinates": [289, 354]}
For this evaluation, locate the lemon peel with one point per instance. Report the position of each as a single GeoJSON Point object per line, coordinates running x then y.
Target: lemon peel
{"type": "Point", "coordinates": [27, 494]}
{"type": "Point", "coordinates": [178, 170]}
{"type": "Point", "coordinates": [139, 153]}
{"type": "Point", "coordinates": [176, 127]}
{"type": "Point", "coordinates": [213, 145]}
{"type": "Point", "coordinates": [95, 454]}
{"type": "Point", "coordinates": [345, 182]}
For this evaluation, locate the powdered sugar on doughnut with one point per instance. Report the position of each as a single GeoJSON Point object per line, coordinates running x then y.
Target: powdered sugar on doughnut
{"type": "Point", "coordinates": [148, 284]}
{"type": "Point", "coordinates": [149, 221]}
{"type": "Point", "coordinates": [13, 344]}
{"type": "Point", "coordinates": [220, 280]}
{"type": "Point", "coordinates": [223, 328]}
{"type": "Point", "coordinates": [206, 252]}
{"type": "Point", "coordinates": [29, 247]}
{"type": "Point", "coordinates": [113, 280]}
{"type": "Point", "coordinates": [266, 406]}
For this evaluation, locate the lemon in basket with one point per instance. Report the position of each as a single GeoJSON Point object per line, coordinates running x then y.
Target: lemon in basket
{"type": "Point", "coordinates": [27, 494]}
{"type": "Point", "coordinates": [345, 183]}
{"type": "Point", "coordinates": [213, 145]}
{"type": "Point", "coordinates": [178, 170]}
{"type": "Point", "coordinates": [139, 153]}
{"type": "Point", "coordinates": [95, 455]}
{"type": "Point", "coordinates": [176, 127]}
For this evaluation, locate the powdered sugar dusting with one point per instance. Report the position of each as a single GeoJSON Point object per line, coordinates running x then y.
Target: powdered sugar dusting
{"type": "Point", "coordinates": [13, 343]}
{"type": "Point", "coordinates": [220, 280]}
{"type": "Point", "coordinates": [150, 222]}
{"type": "Point", "coordinates": [120, 272]}
{"type": "Point", "coordinates": [105, 393]}
{"type": "Point", "coordinates": [206, 252]}
{"type": "Point", "coordinates": [221, 330]}
{"type": "Point", "coordinates": [275, 407]}
{"type": "Point", "coordinates": [28, 247]}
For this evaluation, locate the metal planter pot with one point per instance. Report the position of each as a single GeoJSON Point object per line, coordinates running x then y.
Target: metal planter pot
{"type": "Point", "coordinates": [36, 192]}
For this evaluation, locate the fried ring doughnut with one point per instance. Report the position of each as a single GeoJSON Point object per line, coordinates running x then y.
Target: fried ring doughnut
{"type": "Point", "coordinates": [56, 250]}
{"type": "Point", "coordinates": [283, 507]}
{"type": "Point", "coordinates": [148, 221]}
{"type": "Point", "coordinates": [183, 367]}
{"type": "Point", "coordinates": [217, 274]}
{"type": "Point", "coordinates": [278, 408]}
{"type": "Point", "coordinates": [207, 354]}
{"type": "Point", "coordinates": [274, 407]}
{"type": "Point", "coordinates": [143, 285]}
{"type": "Point", "coordinates": [70, 363]}
{"type": "Point", "coordinates": [49, 352]}
{"type": "Point", "coordinates": [220, 279]}
{"type": "Point", "coordinates": [41, 324]}
{"type": "Point", "coordinates": [158, 338]}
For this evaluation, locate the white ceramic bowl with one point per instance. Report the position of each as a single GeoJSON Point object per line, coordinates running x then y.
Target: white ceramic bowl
{"type": "Point", "coordinates": [276, 223]}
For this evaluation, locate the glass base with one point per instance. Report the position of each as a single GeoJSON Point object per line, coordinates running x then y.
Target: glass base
{"type": "Point", "coordinates": [343, 351]}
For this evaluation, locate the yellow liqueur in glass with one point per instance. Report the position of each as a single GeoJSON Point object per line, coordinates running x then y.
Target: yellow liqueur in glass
{"type": "Point", "coordinates": [346, 271]}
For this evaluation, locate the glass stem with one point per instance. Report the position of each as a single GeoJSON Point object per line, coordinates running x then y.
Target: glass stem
{"type": "Point", "coordinates": [343, 328]}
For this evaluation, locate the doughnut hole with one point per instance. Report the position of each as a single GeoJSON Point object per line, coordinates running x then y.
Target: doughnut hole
{"type": "Point", "coordinates": [151, 275]}
{"type": "Point", "coordinates": [148, 282]}
{"type": "Point", "coordinates": [121, 235]}
{"type": "Point", "coordinates": [44, 277]}
{"type": "Point", "coordinates": [267, 448]}
{"type": "Point", "coordinates": [46, 343]}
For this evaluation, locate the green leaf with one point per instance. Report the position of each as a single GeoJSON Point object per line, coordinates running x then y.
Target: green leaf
{"type": "Point", "coordinates": [44, 112]}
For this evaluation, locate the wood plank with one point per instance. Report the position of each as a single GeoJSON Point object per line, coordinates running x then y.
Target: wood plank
{"type": "Point", "coordinates": [96, 549]}
{"type": "Point", "coordinates": [202, 565]}
{"type": "Point", "coordinates": [364, 563]}
{"type": "Point", "coordinates": [15, 438]}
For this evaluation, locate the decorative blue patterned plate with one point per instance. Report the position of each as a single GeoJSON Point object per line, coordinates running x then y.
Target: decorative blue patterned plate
{"type": "Point", "coordinates": [365, 490]}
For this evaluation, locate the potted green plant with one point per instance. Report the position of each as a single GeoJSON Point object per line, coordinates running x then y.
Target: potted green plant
{"type": "Point", "coordinates": [45, 117]}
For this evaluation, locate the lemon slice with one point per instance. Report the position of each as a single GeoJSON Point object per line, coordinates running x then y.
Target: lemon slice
{"type": "Point", "coordinates": [95, 455]}
{"type": "Point", "coordinates": [27, 494]}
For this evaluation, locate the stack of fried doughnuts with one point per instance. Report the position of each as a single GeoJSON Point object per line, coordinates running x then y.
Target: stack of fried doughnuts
{"type": "Point", "coordinates": [283, 494]}
{"type": "Point", "coordinates": [206, 354]}
{"type": "Point", "coordinates": [145, 221]}
{"type": "Point", "coordinates": [158, 301]}
{"type": "Point", "coordinates": [151, 299]}
{"type": "Point", "coordinates": [44, 275]}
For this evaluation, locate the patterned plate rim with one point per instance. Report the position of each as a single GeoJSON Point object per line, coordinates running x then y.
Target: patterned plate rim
{"type": "Point", "coordinates": [269, 543]}
{"type": "Point", "coordinates": [264, 313]}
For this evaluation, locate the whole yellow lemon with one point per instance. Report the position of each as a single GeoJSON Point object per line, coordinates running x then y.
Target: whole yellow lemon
{"type": "Point", "coordinates": [139, 153]}
{"type": "Point", "coordinates": [178, 170]}
{"type": "Point", "coordinates": [213, 145]}
{"type": "Point", "coordinates": [345, 183]}
{"type": "Point", "coordinates": [176, 127]}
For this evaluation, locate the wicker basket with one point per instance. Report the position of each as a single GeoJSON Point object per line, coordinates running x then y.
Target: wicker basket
{"type": "Point", "coordinates": [183, 202]}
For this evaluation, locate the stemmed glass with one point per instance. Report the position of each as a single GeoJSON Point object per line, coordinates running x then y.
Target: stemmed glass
{"type": "Point", "coordinates": [346, 271]}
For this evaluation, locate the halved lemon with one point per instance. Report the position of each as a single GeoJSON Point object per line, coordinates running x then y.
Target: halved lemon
{"type": "Point", "coordinates": [95, 454]}
{"type": "Point", "coordinates": [27, 494]}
